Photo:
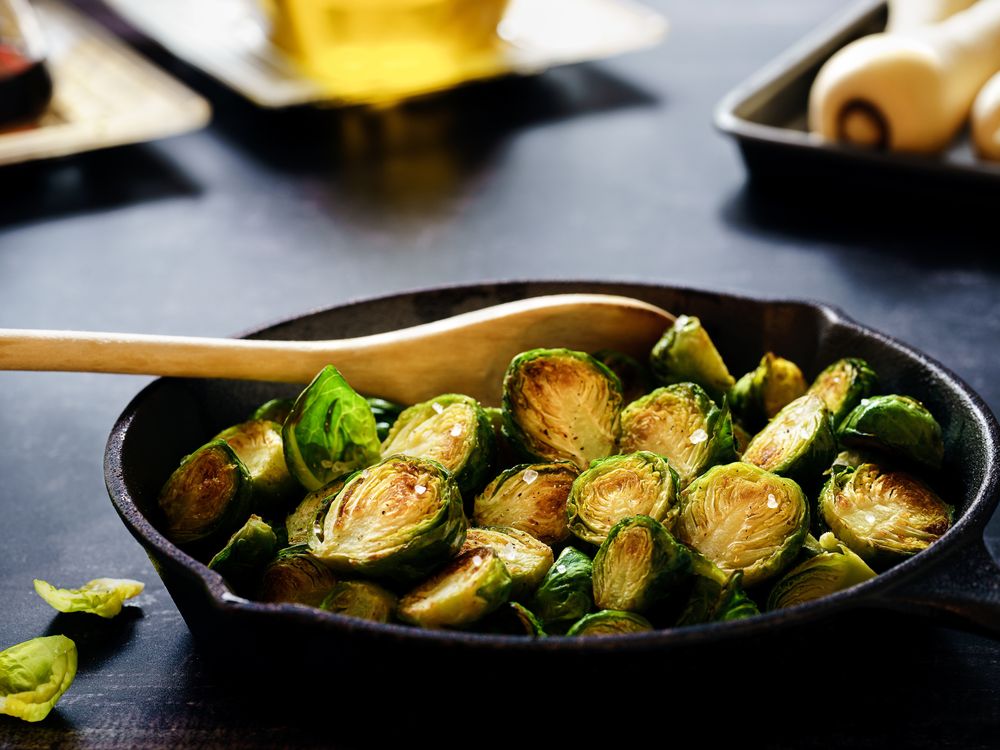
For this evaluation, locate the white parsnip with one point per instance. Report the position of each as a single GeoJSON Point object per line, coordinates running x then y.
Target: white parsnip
{"type": "Point", "coordinates": [986, 120]}
{"type": "Point", "coordinates": [910, 90]}
{"type": "Point", "coordinates": [909, 14]}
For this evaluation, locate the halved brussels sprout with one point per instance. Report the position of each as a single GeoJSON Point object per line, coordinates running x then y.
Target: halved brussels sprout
{"type": "Point", "coordinates": [307, 519]}
{"type": "Point", "coordinates": [275, 410]}
{"type": "Point", "coordinates": [451, 429]}
{"type": "Point", "coordinates": [712, 600]}
{"type": "Point", "coordinates": [526, 558]}
{"type": "Point", "coordinates": [469, 587]}
{"type": "Point", "coordinates": [843, 384]}
{"type": "Point", "coordinates": [798, 443]}
{"type": "Point", "coordinates": [386, 413]}
{"type": "Point", "coordinates": [634, 376]}
{"type": "Point", "coordinates": [898, 425]}
{"type": "Point", "coordinates": [617, 487]}
{"type": "Point", "coordinates": [531, 498]}
{"type": "Point", "coordinates": [207, 496]}
{"type": "Point", "coordinates": [851, 458]}
{"type": "Point", "coordinates": [102, 596]}
{"type": "Point", "coordinates": [398, 519]}
{"type": "Point", "coordinates": [34, 675]}
{"type": "Point", "coordinates": [246, 553]}
{"type": "Point", "coordinates": [883, 515]}
{"type": "Point", "coordinates": [687, 354]}
{"type": "Point", "coordinates": [638, 566]}
{"type": "Point", "coordinates": [566, 593]}
{"type": "Point", "coordinates": [683, 424]}
{"type": "Point", "coordinates": [363, 599]}
{"type": "Point", "coordinates": [609, 622]}
{"type": "Point", "coordinates": [330, 431]}
{"type": "Point", "coordinates": [561, 405]}
{"type": "Point", "coordinates": [258, 444]}
{"type": "Point", "coordinates": [744, 518]}
{"type": "Point", "coordinates": [762, 393]}
{"type": "Point", "coordinates": [741, 439]}
{"type": "Point", "coordinates": [296, 577]}
{"type": "Point", "coordinates": [838, 568]}
{"type": "Point", "coordinates": [512, 618]}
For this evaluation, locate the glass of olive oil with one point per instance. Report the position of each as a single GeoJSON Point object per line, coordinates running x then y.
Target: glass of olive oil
{"type": "Point", "coordinates": [383, 50]}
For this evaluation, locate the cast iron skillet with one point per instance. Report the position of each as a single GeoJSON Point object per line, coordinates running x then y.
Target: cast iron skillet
{"type": "Point", "coordinates": [955, 579]}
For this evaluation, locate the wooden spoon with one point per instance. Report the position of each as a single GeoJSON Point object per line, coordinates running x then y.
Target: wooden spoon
{"type": "Point", "coordinates": [467, 353]}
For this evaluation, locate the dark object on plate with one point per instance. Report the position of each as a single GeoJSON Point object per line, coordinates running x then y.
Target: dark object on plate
{"type": "Point", "coordinates": [25, 85]}
{"type": "Point", "coordinates": [954, 579]}
{"type": "Point", "coordinates": [766, 114]}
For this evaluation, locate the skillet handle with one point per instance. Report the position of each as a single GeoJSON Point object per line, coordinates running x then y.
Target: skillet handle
{"type": "Point", "coordinates": [963, 591]}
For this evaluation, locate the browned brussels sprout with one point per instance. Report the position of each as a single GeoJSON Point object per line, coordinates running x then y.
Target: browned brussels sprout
{"type": "Point", "coordinates": [843, 384]}
{"type": "Point", "coordinates": [526, 558]}
{"type": "Point", "coordinates": [760, 394]}
{"type": "Point", "coordinates": [531, 498]}
{"type": "Point", "coordinates": [362, 599]}
{"type": "Point", "coordinates": [609, 622]}
{"type": "Point", "coordinates": [258, 444]}
{"type": "Point", "coordinates": [898, 425]}
{"type": "Point", "coordinates": [296, 577]}
{"type": "Point", "coordinates": [686, 354]}
{"type": "Point", "coordinates": [798, 443]}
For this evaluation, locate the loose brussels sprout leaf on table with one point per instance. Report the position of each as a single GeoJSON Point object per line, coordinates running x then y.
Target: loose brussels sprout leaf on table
{"type": "Point", "coordinates": [208, 495]}
{"type": "Point", "coordinates": [618, 487]}
{"type": "Point", "coordinates": [246, 553]}
{"type": "Point", "coordinates": [798, 443]}
{"type": "Point", "coordinates": [296, 577]}
{"type": "Point", "coordinates": [566, 593]}
{"type": "Point", "coordinates": [258, 444]}
{"type": "Point", "coordinates": [883, 516]}
{"type": "Point", "coordinates": [843, 384]}
{"type": "Point", "coordinates": [471, 586]}
{"type": "Point", "coordinates": [639, 565]}
{"type": "Point", "coordinates": [330, 431]}
{"type": "Point", "coordinates": [683, 424]}
{"type": "Point", "coordinates": [686, 354]}
{"type": "Point", "coordinates": [561, 405]}
{"type": "Point", "coordinates": [526, 558]}
{"type": "Point", "coordinates": [762, 393]}
{"type": "Point", "coordinates": [898, 425]}
{"type": "Point", "coordinates": [451, 429]}
{"type": "Point", "coordinates": [363, 599]}
{"type": "Point", "coordinates": [102, 596]}
{"type": "Point", "coordinates": [34, 675]}
{"type": "Point", "coordinates": [836, 569]}
{"type": "Point", "coordinates": [609, 622]}
{"type": "Point", "coordinates": [531, 498]}
{"type": "Point", "coordinates": [396, 520]}
{"type": "Point", "coordinates": [744, 518]}
{"type": "Point", "coordinates": [303, 522]}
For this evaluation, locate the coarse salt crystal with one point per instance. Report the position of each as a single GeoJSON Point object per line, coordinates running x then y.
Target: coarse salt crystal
{"type": "Point", "coordinates": [420, 489]}
{"type": "Point", "coordinates": [529, 476]}
{"type": "Point", "coordinates": [437, 407]}
{"type": "Point", "coordinates": [698, 436]}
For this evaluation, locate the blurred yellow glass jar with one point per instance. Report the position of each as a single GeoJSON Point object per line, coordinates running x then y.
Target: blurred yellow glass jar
{"type": "Point", "coordinates": [372, 50]}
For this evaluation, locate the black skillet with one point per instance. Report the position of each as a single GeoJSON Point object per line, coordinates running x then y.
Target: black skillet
{"type": "Point", "coordinates": [954, 580]}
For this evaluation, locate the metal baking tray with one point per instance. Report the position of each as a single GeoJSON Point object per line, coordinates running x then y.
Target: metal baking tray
{"type": "Point", "coordinates": [104, 94]}
{"type": "Point", "coordinates": [766, 115]}
{"type": "Point", "coordinates": [227, 40]}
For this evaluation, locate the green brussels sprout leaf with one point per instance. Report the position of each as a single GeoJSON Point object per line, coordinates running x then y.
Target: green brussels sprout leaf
{"type": "Point", "coordinates": [898, 425]}
{"type": "Point", "coordinates": [566, 593]}
{"type": "Point", "coordinates": [34, 675]}
{"type": "Point", "coordinates": [246, 553]}
{"type": "Point", "coordinates": [609, 622]}
{"type": "Point", "coordinates": [686, 354]}
{"type": "Point", "coordinates": [102, 596]}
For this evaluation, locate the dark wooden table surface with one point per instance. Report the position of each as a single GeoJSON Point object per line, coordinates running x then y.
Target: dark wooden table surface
{"type": "Point", "coordinates": [603, 171]}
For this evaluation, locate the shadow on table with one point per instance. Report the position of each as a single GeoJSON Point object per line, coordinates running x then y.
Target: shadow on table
{"type": "Point", "coordinates": [97, 639]}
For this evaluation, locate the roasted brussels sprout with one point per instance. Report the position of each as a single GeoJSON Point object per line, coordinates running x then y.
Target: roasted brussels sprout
{"type": "Point", "coordinates": [34, 675]}
{"type": "Point", "coordinates": [881, 515]}
{"type": "Point", "coordinates": [258, 444]}
{"type": "Point", "coordinates": [386, 413]}
{"type": "Point", "coordinates": [531, 498]}
{"type": "Point", "coordinates": [512, 618]}
{"type": "Point", "coordinates": [330, 431]}
{"type": "Point", "coordinates": [246, 553]}
{"type": "Point", "coordinates": [843, 384]}
{"type": "Point", "coordinates": [683, 424]}
{"type": "Point", "coordinates": [609, 622]}
{"type": "Point", "coordinates": [638, 566]}
{"type": "Point", "coordinates": [898, 425]}
{"type": "Point", "coordinates": [566, 593]}
{"type": "Point", "coordinates": [561, 405]}
{"type": "Point", "coordinates": [798, 443]}
{"type": "Point", "coordinates": [715, 600]}
{"type": "Point", "coordinates": [687, 354]}
{"type": "Point", "coordinates": [741, 439]}
{"type": "Point", "coordinates": [744, 518]}
{"type": "Point", "coordinates": [836, 569]}
{"type": "Point", "coordinates": [275, 410]}
{"type": "Point", "coordinates": [762, 393]}
{"type": "Point", "coordinates": [451, 429]}
{"type": "Point", "coordinates": [634, 376]}
{"type": "Point", "coordinates": [305, 521]}
{"type": "Point", "coordinates": [469, 587]}
{"type": "Point", "coordinates": [102, 596]}
{"type": "Point", "coordinates": [296, 577]}
{"type": "Point", "coordinates": [397, 520]}
{"type": "Point", "coordinates": [526, 558]}
{"type": "Point", "coordinates": [207, 496]}
{"type": "Point", "coordinates": [363, 599]}
{"type": "Point", "coordinates": [636, 484]}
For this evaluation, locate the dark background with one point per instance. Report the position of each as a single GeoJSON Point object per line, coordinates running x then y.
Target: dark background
{"type": "Point", "coordinates": [603, 171]}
